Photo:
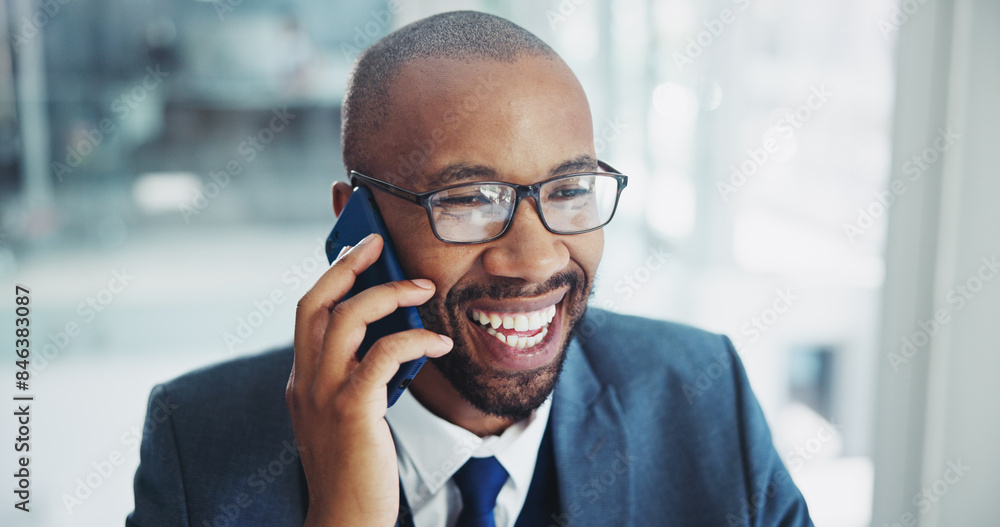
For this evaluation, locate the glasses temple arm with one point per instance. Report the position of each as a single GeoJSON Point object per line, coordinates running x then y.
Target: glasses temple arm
{"type": "Point", "coordinates": [387, 187]}
{"type": "Point", "coordinates": [607, 168]}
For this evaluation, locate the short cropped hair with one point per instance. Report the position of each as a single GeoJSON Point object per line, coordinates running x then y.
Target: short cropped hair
{"type": "Point", "coordinates": [459, 35]}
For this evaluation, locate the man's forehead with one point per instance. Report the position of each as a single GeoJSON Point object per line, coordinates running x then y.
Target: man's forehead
{"type": "Point", "coordinates": [450, 121]}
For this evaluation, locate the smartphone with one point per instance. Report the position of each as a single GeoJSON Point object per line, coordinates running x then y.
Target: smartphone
{"type": "Point", "coordinates": [360, 218]}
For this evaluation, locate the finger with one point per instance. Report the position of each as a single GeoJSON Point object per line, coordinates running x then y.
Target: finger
{"type": "Point", "coordinates": [349, 321]}
{"type": "Point", "coordinates": [383, 359]}
{"type": "Point", "coordinates": [313, 310]}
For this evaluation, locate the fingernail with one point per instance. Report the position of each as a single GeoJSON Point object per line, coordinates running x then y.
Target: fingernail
{"type": "Point", "coordinates": [342, 252]}
{"type": "Point", "coordinates": [423, 283]}
{"type": "Point", "coordinates": [366, 240]}
{"type": "Point", "coordinates": [447, 340]}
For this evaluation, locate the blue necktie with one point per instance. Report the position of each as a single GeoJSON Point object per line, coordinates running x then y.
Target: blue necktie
{"type": "Point", "coordinates": [479, 481]}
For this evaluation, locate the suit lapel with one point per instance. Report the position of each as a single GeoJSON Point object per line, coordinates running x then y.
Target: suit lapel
{"type": "Point", "coordinates": [591, 449]}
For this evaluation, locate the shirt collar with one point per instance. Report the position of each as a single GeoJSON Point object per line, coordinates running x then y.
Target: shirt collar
{"type": "Point", "coordinates": [437, 448]}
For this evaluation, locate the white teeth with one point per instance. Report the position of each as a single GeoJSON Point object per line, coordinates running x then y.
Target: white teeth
{"type": "Point", "coordinates": [537, 339]}
{"type": "Point", "coordinates": [518, 322]}
{"type": "Point", "coordinates": [499, 336]}
{"type": "Point", "coordinates": [519, 342]}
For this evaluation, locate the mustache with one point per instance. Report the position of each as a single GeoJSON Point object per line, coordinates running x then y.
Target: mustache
{"type": "Point", "coordinates": [443, 315]}
{"type": "Point", "coordinates": [503, 290]}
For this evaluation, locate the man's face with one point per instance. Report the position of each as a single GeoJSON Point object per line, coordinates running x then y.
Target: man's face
{"type": "Point", "coordinates": [524, 122]}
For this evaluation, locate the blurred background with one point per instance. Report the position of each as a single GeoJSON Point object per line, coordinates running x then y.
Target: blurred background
{"type": "Point", "coordinates": [813, 179]}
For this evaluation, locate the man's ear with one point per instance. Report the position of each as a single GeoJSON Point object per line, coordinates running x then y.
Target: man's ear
{"type": "Point", "coordinates": [341, 193]}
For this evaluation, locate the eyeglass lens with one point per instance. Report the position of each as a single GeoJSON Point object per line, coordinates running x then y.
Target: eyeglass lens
{"type": "Point", "coordinates": [568, 205]}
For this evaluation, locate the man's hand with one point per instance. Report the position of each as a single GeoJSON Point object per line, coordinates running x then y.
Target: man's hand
{"type": "Point", "coordinates": [338, 403]}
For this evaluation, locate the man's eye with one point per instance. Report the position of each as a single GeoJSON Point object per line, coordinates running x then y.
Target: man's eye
{"type": "Point", "coordinates": [570, 192]}
{"type": "Point", "coordinates": [466, 201]}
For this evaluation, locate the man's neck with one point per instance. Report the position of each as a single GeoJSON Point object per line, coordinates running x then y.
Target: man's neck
{"type": "Point", "coordinates": [435, 393]}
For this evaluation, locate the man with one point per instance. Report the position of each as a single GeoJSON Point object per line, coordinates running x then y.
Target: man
{"type": "Point", "coordinates": [573, 419]}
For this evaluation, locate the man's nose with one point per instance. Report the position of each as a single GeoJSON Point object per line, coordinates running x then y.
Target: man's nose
{"type": "Point", "coordinates": [528, 250]}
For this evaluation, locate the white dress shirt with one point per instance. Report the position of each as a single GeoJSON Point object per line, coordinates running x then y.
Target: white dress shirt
{"type": "Point", "coordinates": [430, 450]}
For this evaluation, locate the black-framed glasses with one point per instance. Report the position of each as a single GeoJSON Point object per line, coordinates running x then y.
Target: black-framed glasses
{"type": "Point", "coordinates": [483, 211]}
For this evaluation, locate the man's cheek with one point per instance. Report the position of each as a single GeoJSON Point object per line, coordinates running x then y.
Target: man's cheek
{"type": "Point", "coordinates": [430, 317]}
{"type": "Point", "coordinates": [590, 251]}
{"type": "Point", "coordinates": [437, 317]}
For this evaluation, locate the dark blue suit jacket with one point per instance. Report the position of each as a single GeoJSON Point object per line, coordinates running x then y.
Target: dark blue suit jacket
{"type": "Point", "coordinates": [654, 423]}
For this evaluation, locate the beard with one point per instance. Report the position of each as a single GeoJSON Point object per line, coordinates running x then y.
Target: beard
{"type": "Point", "coordinates": [510, 395]}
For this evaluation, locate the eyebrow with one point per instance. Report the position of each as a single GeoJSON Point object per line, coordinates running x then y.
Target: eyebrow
{"type": "Point", "coordinates": [458, 173]}
{"type": "Point", "coordinates": [461, 172]}
{"type": "Point", "coordinates": [583, 163]}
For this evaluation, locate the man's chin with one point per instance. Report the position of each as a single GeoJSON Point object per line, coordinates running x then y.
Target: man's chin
{"type": "Point", "coordinates": [507, 368]}
{"type": "Point", "coordinates": [503, 380]}
{"type": "Point", "coordinates": [508, 394]}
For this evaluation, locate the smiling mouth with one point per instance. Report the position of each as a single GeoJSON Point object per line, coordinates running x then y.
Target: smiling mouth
{"type": "Point", "coordinates": [517, 330]}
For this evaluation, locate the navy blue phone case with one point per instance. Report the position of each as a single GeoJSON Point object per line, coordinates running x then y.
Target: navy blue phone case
{"type": "Point", "coordinates": [359, 219]}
